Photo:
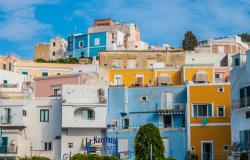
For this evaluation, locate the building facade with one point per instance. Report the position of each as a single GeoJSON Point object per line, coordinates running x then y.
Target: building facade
{"type": "Point", "coordinates": [53, 50]}
{"type": "Point", "coordinates": [222, 45]}
{"type": "Point", "coordinates": [130, 108]}
{"type": "Point", "coordinates": [209, 120]}
{"type": "Point", "coordinates": [142, 59]}
{"type": "Point", "coordinates": [7, 62]}
{"type": "Point", "coordinates": [240, 93]}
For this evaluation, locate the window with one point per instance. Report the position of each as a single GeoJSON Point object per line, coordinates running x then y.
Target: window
{"type": "Point", "coordinates": [144, 98]}
{"type": "Point", "coordinates": [139, 80]}
{"type": "Point", "coordinates": [10, 67]}
{"type": "Point", "coordinates": [218, 75]}
{"type": "Point", "coordinates": [167, 121]}
{"type": "Point", "coordinates": [88, 114]}
{"type": "Point", "coordinates": [45, 74]}
{"type": "Point", "coordinates": [54, 53]}
{"type": "Point", "coordinates": [125, 124]}
{"type": "Point", "coordinates": [44, 115]}
{"type": "Point", "coordinates": [5, 82]}
{"type": "Point", "coordinates": [237, 61]}
{"type": "Point", "coordinates": [247, 114]}
{"type": "Point", "coordinates": [221, 111]}
{"type": "Point", "coordinates": [57, 91]}
{"type": "Point", "coordinates": [245, 96]}
{"type": "Point", "coordinates": [80, 44]}
{"type": "Point", "coordinates": [91, 115]}
{"type": "Point", "coordinates": [220, 89]}
{"type": "Point", "coordinates": [54, 44]}
{"type": "Point", "coordinates": [97, 41]}
{"type": "Point", "coordinates": [70, 145]}
{"type": "Point", "coordinates": [202, 110]}
{"type": "Point", "coordinates": [58, 74]}
{"type": "Point", "coordinates": [118, 79]}
{"type": "Point", "coordinates": [24, 113]}
{"type": "Point", "coordinates": [226, 148]}
{"type": "Point", "coordinates": [25, 73]}
{"type": "Point", "coordinates": [47, 146]}
{"type": "Point", "coordinates": [4, 66]}
{"type": "Point", "coordinates": [192, 148]}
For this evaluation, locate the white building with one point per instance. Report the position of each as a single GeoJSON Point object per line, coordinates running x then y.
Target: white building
{"type": "Point", "coordinates": [240, 97]}
{"type": "Point", "coordinates": [83, 115]}
{"type": "Point", "coordinates": [30, 128]}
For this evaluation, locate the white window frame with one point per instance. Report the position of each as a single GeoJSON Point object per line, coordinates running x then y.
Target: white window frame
{"type": "Point", "coordinates": [44, 72]}
{"type": "Point", "coordinates": [212, 142]}
{"type": "Point", "coordinates": [117, 76]}
{"type": "Point", "coordinates": [56, 88]}
{"type": "Point", "coordinates": [97, 41]}
{"type": "Point", "coordinates": [227, 147]}
{"type": "Point", "coordinates": [217, 109]}
{"type": "Point", "coordinates": [198, 111]}
{"type": "Point", "coordinates": [220, 75]}
{"type": "Point", "coordinates": [144, 100]}
{"type": "Point", "coordinates": [80, 46]}
{"type": "Point", "coordinates": [221, 87]}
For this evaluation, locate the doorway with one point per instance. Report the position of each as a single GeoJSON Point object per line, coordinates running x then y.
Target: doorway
{"type": "Point", "coordinates": [207, 150]}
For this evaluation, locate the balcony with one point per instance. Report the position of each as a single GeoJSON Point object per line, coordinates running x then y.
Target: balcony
{"type": "Point", "coordinates": [8, 149]}
{"type": "Point", "coordinates": [171, 108]}
{"type": "Point", "coordinates": [7, 119]}
{"type": "Point", "coordinates": [242, 103]}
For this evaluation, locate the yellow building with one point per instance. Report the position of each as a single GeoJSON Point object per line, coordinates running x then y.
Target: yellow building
{"type": "Point", "coordinates": [144, 77]}
{"type": "Point", "coordinates": [198, 74]}
{"type": "Point", "coordinates": [208, 120]}
{"type": "Point", "coordinates": [35, 69]}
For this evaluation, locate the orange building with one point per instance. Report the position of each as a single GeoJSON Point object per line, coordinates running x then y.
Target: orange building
{"type": "Point", "coordinates": [208, 120]}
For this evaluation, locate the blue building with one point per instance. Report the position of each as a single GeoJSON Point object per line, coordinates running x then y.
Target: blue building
{"type": "Point", "coordinates": [130, 108]}
{"type": "Point", "coordinates": [86, 45]}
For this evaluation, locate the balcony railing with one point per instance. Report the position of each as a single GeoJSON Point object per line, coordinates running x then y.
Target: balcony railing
{"type": "Point", "coordinates": [8, 85]}
{"type": "Point", "coordinates": [7, 119]}
{"type": "Point", "coordinates": [241, 103]}
{"type": "Point", "coordinates": [171, 106]}
{"type": "Point", "coordinates": [8, 149]}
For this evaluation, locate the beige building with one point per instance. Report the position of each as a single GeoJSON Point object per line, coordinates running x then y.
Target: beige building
{"type": "Point", "coordinates": [7, 62]}
{"type": "Point", "coordinates": [224, 45]}
{"type": "Point", "coordinates": [53, 50]}
{"type": "Point", "coordinates": [128, 34]}
{"type": "Point", "coordinates": [142, 59]}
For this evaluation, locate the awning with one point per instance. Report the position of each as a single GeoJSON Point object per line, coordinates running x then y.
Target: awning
{"type": "Point", "coordinates": [163, 79]}
{"type": "Point", "coordinates": [201, 76]}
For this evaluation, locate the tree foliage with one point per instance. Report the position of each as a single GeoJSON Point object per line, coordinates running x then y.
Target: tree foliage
{"type": "Point", "coordinates": [189, 42]}
{"type": "Point", "coordinates": [70, 60]}
{"type": "Point", "coordinates": [147, 135]}
{"type": "Point", "coordinates": [80, 156]}
{"type": "Point", "coordinates": [34, 158]}
{"type": "Point", "coordinates": [245, 37]}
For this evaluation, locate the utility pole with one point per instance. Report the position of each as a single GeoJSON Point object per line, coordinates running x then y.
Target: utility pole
{"type": "Point", "coordinates": [151, 150]}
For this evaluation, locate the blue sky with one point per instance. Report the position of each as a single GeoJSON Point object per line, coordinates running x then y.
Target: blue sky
{"type": "Point", "coordinates": [25, 22]}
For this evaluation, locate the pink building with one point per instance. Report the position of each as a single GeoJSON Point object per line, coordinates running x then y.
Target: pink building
{"type": "Point", "coordinates": [221, 74]}
{"type": "Point", "coordinates": [51, 86]}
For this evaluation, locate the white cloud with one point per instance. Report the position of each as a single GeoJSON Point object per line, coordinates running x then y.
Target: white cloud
{"type": "Point", "coordinates": [168, 20]}
{"type": "Point", "coordinates": [20, 23]}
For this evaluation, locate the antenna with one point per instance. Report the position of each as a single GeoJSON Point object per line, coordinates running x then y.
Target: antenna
{"type": "Point", "coordinates": [75, 29]}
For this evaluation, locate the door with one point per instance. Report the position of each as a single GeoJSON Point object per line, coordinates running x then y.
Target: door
{"type": "Point", "coordinates": [207, 151]}
{"type": "Point", "coordinates": [167, 121]}
{"type": "Point", "coordinates": [3, 145]}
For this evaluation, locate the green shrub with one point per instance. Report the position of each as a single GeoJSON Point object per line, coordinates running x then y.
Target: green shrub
{"type": "Point", "coordinates": [80, 156]}
{"type": "Point", "coordinates": [243, 156]}
{"type": "Point", "coordinates": [169, 159]}
{"type": "Point", "coordinates": [147, 135]}
{"type": "Point", "coordinates": [34, 158]}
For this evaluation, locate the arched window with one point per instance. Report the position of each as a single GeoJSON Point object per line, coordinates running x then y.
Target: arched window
{"type": "Point", "coordinates": [84, 113]}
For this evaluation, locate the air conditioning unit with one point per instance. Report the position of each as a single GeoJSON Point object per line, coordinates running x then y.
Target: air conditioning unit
{"type": "Point", "coordinates": [114, 122]}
